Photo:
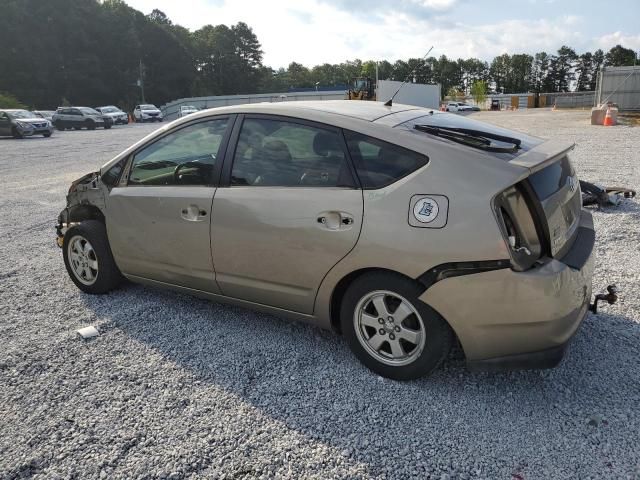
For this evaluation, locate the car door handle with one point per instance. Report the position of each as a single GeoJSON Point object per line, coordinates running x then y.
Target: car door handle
{"type": "Point", "coordinates": [193, 213]}
{"type": "Point", "coordinates": [335, 220]}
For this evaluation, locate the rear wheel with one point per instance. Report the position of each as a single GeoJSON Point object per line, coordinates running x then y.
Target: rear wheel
{"type": "Point", "coordinates": [88, 259]}
{"type": "Point", "coordinates": [390, 330]}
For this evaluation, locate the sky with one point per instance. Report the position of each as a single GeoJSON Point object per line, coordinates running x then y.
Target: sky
{"type": "Point", "coordinates": [313, 32]}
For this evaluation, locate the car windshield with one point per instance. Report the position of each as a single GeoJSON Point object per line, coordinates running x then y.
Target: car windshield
{"type": "Point", "coordinates": [109, 109]}
{"type": "Point", "coordinates": [22, 114]}
{"type": "Point", "coordinates": [148, 107]}
{"type": "Point", "coordinates": [88, 110]}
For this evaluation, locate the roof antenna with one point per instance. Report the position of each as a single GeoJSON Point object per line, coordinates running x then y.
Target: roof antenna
{"type": "Point", "coordinates": [389, 102]}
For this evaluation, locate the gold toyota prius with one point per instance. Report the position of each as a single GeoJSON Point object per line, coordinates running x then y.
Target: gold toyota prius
{"type": "Point", "coordinates": [402, 228]}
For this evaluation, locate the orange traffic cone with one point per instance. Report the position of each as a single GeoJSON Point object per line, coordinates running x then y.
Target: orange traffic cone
{"type": "Point", "coordinates": [608, 119]}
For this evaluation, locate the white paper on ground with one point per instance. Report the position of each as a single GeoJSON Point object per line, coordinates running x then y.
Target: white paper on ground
{"type": "Point", "coordinates": [88, 332]}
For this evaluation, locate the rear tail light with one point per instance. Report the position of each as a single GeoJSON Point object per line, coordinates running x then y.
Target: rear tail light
{"type": "Point", "coordinates": [519, 228]}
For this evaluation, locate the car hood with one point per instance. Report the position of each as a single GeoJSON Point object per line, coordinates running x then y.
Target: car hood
{"type": "Point", "coordinates": [150, 111]}
{"type": "Point", "coordinates": [31, 120]}
{"type": "Point", "coordinates": [114, 114]}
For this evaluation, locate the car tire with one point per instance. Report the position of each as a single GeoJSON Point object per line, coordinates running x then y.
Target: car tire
{"type": "Point", "coordinates": [46, 135]}
{"type": "Point", "coordinates": [16, 134]}
{"type": "Point", "coordinates": [90, 125]}
{"type": "Point", "coordinates": [84, 247]}
{"type": "Point", "coordinates": [398, 348]}
{"type": "Point", "coordinates": [107, 127]}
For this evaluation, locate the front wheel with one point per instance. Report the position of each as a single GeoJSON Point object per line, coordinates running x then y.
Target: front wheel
{"type": "Point", "coordinates": [107, 127]}
{"type": "Point", "coordinates": [88, 259]}
{"type": "Point", "coordinates": [390, 330]}
{"type": "Point", "coordinates": [46, 135]}
{"type": "Point", "coordinates": [15, 133]}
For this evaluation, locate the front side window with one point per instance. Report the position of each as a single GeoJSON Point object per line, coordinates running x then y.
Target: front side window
{"type": "Point", "coordinates": [380, 163]}
{"type": "Point", "coordinates": [288, 154]}
{"type": "Point", "coordinates": [184, 157]}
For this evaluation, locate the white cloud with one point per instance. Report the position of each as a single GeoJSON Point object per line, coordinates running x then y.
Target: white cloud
{"type": "Point", "coordinates": [605, 42]}
{"type": "Point", "coordinates": [312, 32]}
{"type": "Point", "coordinates": [438, 4]}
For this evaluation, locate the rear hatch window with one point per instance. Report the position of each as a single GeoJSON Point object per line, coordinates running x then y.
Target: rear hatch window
{"type": "Point", "coordinates": [557, 190]}
{"type": "Point", "coordinates": [550, 179]}
{"type": "Point", "coordinates": [496, 141]}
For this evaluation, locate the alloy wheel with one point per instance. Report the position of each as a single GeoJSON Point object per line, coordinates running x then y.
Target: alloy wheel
{"type": "Point", "coordinates": [389, 328]}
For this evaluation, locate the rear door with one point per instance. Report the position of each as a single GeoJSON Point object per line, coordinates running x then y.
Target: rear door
{"type": "Point", "coordinates": [289, 212]}
{"type": "Point", "coordinates": [158, 217]}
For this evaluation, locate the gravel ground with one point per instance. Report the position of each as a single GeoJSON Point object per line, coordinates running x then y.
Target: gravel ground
{"type": "Point", "coordinates": [177, 387]}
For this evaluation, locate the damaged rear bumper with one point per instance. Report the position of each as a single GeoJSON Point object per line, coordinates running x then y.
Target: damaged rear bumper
{"type": "Point", "coordinates": [508, 320]}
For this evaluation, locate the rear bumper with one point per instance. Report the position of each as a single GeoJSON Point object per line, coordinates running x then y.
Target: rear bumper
{"type": "Point", "coordinates": [508, 319]}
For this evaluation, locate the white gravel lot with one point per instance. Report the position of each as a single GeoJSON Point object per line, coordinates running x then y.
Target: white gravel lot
{"type": "Point", "coordinates": [177, 387]}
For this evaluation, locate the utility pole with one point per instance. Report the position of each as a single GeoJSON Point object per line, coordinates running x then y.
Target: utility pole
{"type": "Point", "coordinates": [141, 81]}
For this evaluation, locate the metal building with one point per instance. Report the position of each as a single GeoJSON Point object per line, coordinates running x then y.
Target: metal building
{"type": "Point", "coordinates": [619, 85]}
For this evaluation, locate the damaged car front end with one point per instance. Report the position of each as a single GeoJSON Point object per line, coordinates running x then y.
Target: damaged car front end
{"type": "Point", "coordinates": [85, 201]}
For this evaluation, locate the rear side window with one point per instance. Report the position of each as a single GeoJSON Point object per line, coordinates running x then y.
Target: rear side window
{"type": "Point", "coordinates": [380, 163]}
{"type": "Point", "coordinates": [278, 153]}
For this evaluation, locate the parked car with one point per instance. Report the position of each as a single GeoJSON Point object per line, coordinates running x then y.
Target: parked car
{"type": "Point", "coordinates": [402, 228]}
{"type": "Point", "coordinates": [474, 108]}
{"type": "Point", "coordinates": [147, 113]}
{"type": "Point", "coordinates": [80, 117]}
{"type": "Point", "coordinates": [46, 114]}
{"type": "Point", "coordinates": [495, 104]}
{"type": "Point", "coordinates": [23, 123]}
{"type": "Point", "coordinates": [458, 107]}
{"type": "Point", "coordinates": [117, 115]}
{"type": "Point", "coordinates": [186, 110]}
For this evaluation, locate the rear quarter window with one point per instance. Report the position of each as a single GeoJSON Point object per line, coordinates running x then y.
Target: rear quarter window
{"type": "Point", "coordinates": [379, 163]}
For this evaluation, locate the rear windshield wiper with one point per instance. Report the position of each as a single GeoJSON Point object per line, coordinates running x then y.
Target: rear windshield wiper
{"type": "Point", "coordinates": [473, 138]}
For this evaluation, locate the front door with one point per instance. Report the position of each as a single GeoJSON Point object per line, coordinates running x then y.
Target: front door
{"type": "Point", "coordinates": [158, 217]}
{"type": "Point", "coordinates": [290, 212]}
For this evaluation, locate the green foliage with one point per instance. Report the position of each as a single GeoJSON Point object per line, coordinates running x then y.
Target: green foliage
{"type": "Point", "coordinates": [98, 50]}
{"type": "Point", "coordinates": [619, 56]}
{"type": "Point", "coordinates": [453, 93]}
{"type": "Point", "coordinates": [479, 91]}
{"type": "Point", "coordinates": [9, 101]}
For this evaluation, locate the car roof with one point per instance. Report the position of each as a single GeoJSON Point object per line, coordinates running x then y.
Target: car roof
{"type": "Point", "coordinates": [337, 112]}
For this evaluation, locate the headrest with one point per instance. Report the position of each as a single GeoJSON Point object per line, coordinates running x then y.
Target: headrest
{"type": "Point", "coordinates": [325, 142]}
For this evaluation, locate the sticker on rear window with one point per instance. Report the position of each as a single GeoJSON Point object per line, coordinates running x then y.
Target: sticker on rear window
{"type": "Point", "coordinates": [428, 211]}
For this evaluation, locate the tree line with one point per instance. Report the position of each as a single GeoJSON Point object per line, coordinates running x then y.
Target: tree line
{"type": "Point", "coordinates": [89, 52]}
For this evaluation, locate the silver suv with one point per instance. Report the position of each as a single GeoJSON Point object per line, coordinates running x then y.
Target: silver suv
{"type": "Point", "coordinates": [80, 117]}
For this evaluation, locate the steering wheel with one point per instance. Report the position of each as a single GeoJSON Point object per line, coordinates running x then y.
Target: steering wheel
{"type": "Point", "coordinates": [190, 164]}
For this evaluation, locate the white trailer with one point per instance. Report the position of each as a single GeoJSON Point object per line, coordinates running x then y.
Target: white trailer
{"type": "Point", "coordinates": [418, 94]}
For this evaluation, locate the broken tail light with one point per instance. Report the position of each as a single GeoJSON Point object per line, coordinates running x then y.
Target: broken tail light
{"type": "Point", "coordinates": [519, 228]}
